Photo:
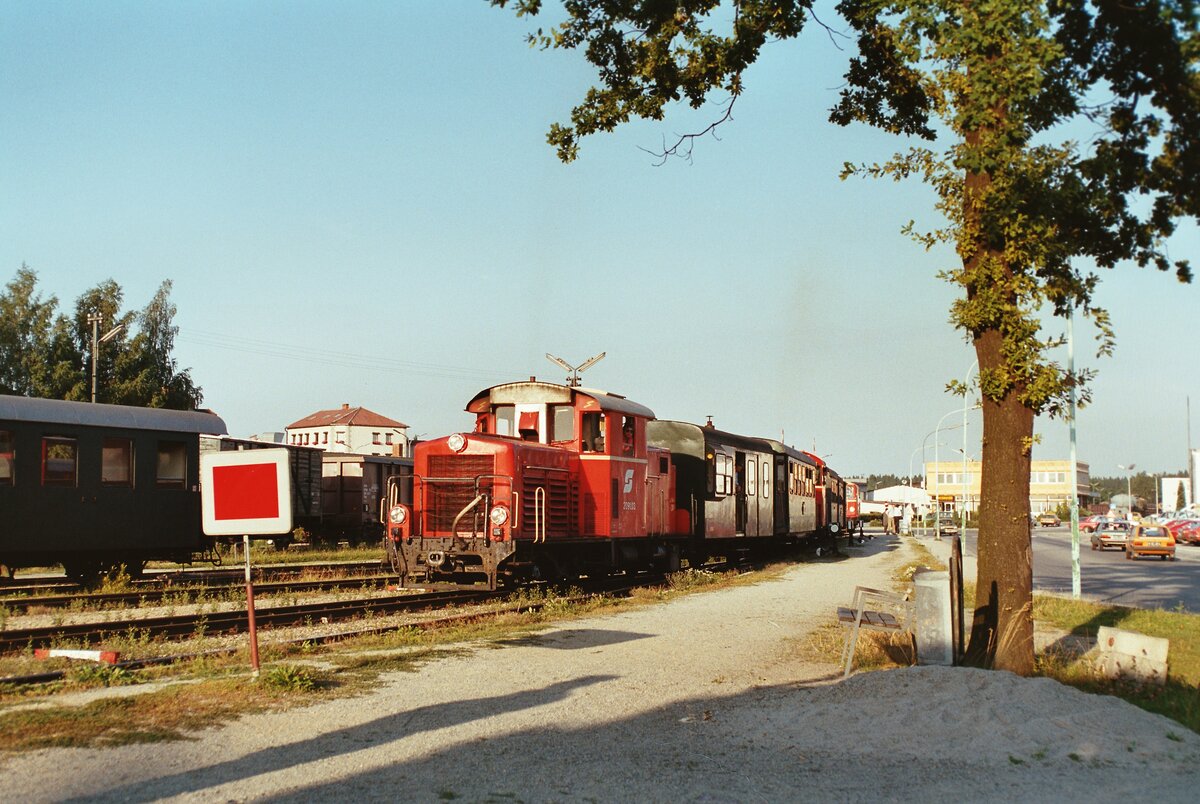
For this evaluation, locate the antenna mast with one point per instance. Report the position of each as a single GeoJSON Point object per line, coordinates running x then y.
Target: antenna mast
{"type": "Point", "coordinates": [575, 371]}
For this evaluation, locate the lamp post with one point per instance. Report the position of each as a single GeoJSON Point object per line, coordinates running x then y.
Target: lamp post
{"type": "Point", "coordinates": [936, 484]}
{"type": "Point", "coordinates": [1128, 488]}
{"type": "Point", "coordinates": [967, 379]}
{"type": "Point", "coordinates": [94, 319]}
{"type": "Point", "coordinates": [922, 448]}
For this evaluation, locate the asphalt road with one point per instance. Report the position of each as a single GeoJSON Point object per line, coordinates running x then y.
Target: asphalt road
{"type": "Point", "coordinates": [1107, 576]}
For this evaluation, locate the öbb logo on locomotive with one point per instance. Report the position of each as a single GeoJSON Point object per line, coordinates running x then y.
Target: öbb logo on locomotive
{"type": "Point", "coordinates": [558, 481]}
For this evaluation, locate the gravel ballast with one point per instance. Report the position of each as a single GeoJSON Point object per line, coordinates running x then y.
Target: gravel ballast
{"type": "Point", "coordinates": [707, 698]}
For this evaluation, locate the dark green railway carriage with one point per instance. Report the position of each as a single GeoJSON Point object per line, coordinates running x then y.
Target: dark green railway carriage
{"type": "Point", "coordinates": [94, 486]}
{"type": "Point", "coordinates": [736, 488]}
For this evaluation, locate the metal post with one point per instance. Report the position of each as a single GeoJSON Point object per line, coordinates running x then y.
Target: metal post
{"type": "Point", "coordinates": [965, 487]}
{"type": "Point", "coordinates": [1075, 577]}
{"type": "Point", "coordinates": [250, 610]}
{"type": "Point", "coordinates": [94, 320]}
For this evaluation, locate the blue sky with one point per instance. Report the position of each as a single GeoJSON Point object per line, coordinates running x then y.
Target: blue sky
{"type": "Point", "coordinates": [356, 203]}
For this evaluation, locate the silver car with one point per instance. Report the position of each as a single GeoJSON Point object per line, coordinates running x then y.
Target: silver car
{"type": "Point", "coordinates": [1113, 533]}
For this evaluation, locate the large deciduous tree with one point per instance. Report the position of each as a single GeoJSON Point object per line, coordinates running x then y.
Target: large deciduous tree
{"type": "Point", "coordinates": [1060, 135]}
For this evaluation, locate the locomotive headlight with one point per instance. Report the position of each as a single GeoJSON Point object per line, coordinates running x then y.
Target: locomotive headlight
{"type": "Point", "coordinates": [833, 528]}
{"type": "Point", "coordinates": [398, 515]}
{"type": "Point", "coordinates": [457, 442]}
{"type": "Point", "coordinates": [499, 515]}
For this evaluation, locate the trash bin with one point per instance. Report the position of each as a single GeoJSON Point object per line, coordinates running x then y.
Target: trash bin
{"type": "Point", "coordinates": [931, 614]}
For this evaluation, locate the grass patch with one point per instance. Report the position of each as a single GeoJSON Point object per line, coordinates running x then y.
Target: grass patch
{"type": "Point", "coordinates": [158, 716]}
{"type": "Point", "coordinates": [1179, 699]}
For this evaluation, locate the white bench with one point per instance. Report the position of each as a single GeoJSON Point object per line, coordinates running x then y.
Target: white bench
{"type": "Point", "coordinates": [857, 616]}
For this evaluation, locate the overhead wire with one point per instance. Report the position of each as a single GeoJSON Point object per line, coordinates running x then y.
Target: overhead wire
{"type": "Point", "coordinates": [330, 357]}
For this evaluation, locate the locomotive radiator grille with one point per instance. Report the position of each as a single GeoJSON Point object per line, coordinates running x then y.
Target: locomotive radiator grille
{"type": "Point", "coordinates": [452, 487]}
{"type": "Point", "coordinates": [558, 501]}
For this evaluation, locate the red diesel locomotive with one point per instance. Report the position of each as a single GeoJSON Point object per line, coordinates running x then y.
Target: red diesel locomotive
{"type": "Point", "coordinates": [557, 481]}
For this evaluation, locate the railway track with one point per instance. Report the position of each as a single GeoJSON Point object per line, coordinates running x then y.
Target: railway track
{"type": "Point", "coordinates": [232, 575]}
{"type": "Point", "coordinates": [233, 621]}
{"type": "Point", "coordinates": [185, 595]}
{"type": "Point", "coordinates": [317, 639]}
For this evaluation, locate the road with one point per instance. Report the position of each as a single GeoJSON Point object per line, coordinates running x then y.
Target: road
{"type": "Point", "coordinates": [1108, 577]}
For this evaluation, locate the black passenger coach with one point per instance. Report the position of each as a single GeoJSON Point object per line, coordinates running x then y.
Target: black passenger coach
{"type": "Point", "coordinates": [93, 486]}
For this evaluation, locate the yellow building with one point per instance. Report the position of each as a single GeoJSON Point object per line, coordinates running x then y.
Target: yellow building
{"type": "Point", "coordinates": [1049, 484]}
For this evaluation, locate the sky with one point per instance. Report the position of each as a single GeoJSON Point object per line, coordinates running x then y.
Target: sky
{"type": "Point", "coordinates": [356, 203]}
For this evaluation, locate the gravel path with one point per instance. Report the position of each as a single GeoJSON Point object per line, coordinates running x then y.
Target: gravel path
{"type": "Point", "coordinates": [704, 699]}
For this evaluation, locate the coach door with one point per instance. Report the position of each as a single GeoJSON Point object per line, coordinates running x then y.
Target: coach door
{"type": "Point", "coordinates": [739, 493]}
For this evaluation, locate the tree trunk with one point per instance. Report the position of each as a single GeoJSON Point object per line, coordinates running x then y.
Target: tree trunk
{"type": "Point", "coordinates": [1002, 627]}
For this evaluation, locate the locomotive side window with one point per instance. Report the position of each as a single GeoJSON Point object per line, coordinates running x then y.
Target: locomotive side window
{"type": "Point", "coordinates": [506, 420]}
{"type": "Point", "coordinates": [593, 432]}
{"type": "Point", "coordinates": [60, 461]}
{"type": "Point", "coordinates": [116, 462]}
{"type": "Point", "coordinates": [172, 465]}
{"type": "Point", "coordinates": [562, 423]}
{"type": "Point", "coordinates": [6, 458]}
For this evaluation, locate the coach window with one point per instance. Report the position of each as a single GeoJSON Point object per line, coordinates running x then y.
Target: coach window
{"type": "Point", "coordinates": [116, 462]}
{"type": "Point", "coordinates": [751, 489]}
{"type": "Point", "coordinates": [765, 480]}
{"type": "Point", "coordinates": [6, 458]}
{"type": "Point", "coordinates": [506, 420]}
{"type": "Point", "coordinates": [172, 465]}
{"type": "Point", "coordinates": [60, 459]}
{"type": "Point", "coordinates": [562, 423]}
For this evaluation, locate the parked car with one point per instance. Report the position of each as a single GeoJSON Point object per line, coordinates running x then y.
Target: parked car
{"type": "Point", "coordinates": [1150, 540]}
{"type": "Point", "coordinates": [1049, 519]}
{"type": "Point", "coordinates": [1188, 532]}
{"type": "Point", "coordinates": [947, 524]}
{"type": "Point", "coordinates": [1111, 533]}
{"type": "Point", "coordinates": [1179, 523]}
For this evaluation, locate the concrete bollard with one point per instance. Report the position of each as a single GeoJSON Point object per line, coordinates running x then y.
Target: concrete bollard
{"type": "Point", "coordinates": [1131, 656]}
{"type": "Point", "coordinates": [931, 615]}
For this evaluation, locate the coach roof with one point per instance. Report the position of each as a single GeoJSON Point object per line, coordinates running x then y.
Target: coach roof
{"type": "Point", "coordinates": [57, 411]}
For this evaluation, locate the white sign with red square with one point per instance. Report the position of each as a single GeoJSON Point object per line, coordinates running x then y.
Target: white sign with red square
{"type": "Point", "coordinates": [247, 492]}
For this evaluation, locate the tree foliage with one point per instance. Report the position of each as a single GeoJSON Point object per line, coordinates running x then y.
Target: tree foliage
{"type": "Point", "coordinates": [1059, 135]}
{"type": "Point", "coordinates": [48, 354]}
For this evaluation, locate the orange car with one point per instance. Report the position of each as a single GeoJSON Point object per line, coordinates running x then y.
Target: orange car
{"type": "Point", "coordinates": [1150, 540]}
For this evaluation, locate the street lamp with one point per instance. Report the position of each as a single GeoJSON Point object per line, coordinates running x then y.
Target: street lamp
{"type": "Point", "coordinates": [967, 379]}
{"type": "Point", "coordinates": [94, 319]}
{"type": "Point", "coordinates": [936, 483]}
{"type": "Point", "coordinates": [1128, 487]}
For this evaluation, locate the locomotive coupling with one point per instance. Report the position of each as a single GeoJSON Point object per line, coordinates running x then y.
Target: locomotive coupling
{"type": "Point", "coordinates": [435, 558]}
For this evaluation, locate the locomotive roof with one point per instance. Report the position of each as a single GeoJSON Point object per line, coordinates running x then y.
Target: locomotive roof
{"type": "Point", "coordinates": [58, 411]}
{"type": "Point", "coordinates": [532, 391]}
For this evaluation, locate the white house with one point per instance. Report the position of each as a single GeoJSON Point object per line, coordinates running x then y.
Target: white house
{"type": "Point", "coordinates": [348, 429]}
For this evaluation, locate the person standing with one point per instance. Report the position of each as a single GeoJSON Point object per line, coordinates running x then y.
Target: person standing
{"type": "Point", "coordinates": [906, 520]}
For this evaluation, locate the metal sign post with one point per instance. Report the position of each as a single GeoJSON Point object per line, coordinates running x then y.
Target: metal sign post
{"type": "Point", "coordinates": [250, 609]}
{"type": "Point", "coordinates": [244, 494]}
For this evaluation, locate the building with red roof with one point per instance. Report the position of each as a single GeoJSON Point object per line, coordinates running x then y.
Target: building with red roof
{"type": "Point", "coordinates": [347, 429]}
